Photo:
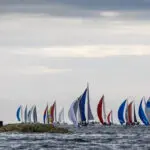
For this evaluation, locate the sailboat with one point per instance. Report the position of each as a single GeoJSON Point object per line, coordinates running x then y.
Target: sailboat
{"type": "Point", "coordinates": [46, 116]}
{"type": "Point", "coordinates": [19, 114]}
{"type": "Point", "coordinates": [72, 113]}
{"type": "Point", "coordinates": [26, 114]}
{"type": "Point", "coordinates": [52, 115]}
{"type": "Point", "coordinates": [132, 120]}
{"type": "Point", "coordinates": [34, 115]}
{"type": "Point", "coordinates": [85, 119]}
{"type": "Point", "coordinates": [101, 112]}
{"type": "Point", "coordinates": [61, 116]}
{"type": "Point", "coordinates": [110, 118]}
{"type": "Point", "coordinates": [142, 114]}
{"type": "Point", "coordinates": [30, 112]}
{"type": "Point", "coordinates": [121, 112]}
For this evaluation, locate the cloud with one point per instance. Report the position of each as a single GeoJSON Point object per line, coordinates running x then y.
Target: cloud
{"type": "Point", "coordinates": [95, 51]}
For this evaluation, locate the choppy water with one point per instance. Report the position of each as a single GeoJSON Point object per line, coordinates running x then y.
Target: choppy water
{"type": "Point", "coordinates": [91, 137]}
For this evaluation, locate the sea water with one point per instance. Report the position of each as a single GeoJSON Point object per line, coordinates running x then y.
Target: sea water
{"type": "Point", "coordinates": [94, 137]}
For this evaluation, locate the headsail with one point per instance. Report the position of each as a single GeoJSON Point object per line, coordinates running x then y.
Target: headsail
{"type": "Point", "coordinates": [19, 113]}
{"type": "Point", "coordinates": [72, 115]}
{"type": "Point", "coordinates": [82, 106]}
{"type": "Point", "coordinates": [121, 112]}
{"type": "Point", "coordinates": [61, 116]}
{"type": "Point", "coordinates": [100, 110]}
{"type": "Point", "coordinates": [142, 114]}
{"type": "Point", "coordinates": [89, 112]}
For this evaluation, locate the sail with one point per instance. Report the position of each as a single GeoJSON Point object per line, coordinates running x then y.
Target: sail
{"type": "Point", "coordinates": [135, 119]}
{"type": "Point", "coordinates": [100, 110]}
{"type": "Point", "coordinates": [121, 112]}
{"type": "Point", "coordinates": [19, 113]}
{"type": "Point", "coordinates": [53, 113]}
{"type": "Point", "coordinates": [30, 114]}
{"type": "Point", "coordinates": [130, 112]}
{"type": "Point", "coordinates": [82, 105]}
{"type": "Point", "coordinates": [71, 114]}
{"type": "Point", "coordinates": [142, 114]}
{"type": "Point", "coordinates": [147, 109]}
{"type": "Point", "coordinates": [109, 118]}
{"type": "Point", "coordinates": [34, 115]}
{"type": "Point", "coordinates": [26, 115]}
{"type": "Point", "coordinates": [77, 110]}
{"type": "Point", "coordinates": [61, 116]}
{"type": "Point", "coordinates": [89, 112]}
{"type": "Point", "coordinates": [45, 116]}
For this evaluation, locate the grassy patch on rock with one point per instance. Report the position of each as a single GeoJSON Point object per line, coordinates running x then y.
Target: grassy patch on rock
{"type": "Point", "coordinates": [33, 128]}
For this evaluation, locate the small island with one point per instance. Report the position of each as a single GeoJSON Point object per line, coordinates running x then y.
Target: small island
{"type": "Point", "coordinates": [33, 128]}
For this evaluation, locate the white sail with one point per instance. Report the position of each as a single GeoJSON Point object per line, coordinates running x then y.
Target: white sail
{"type": "Point", "coordinates": [72, 115]}
{"type": "Point", "coordinates": [89, 111]}
{"type": "Point", "coordinates": [61, 116]}
{"type": "Point", "coordinates": [30, 114]}
{"type": "Point", "coordinates": [34, 114]}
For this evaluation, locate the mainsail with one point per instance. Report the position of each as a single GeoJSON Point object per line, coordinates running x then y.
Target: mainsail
{"type": "Point", "coordinates": [101, 111]}
{"type": "Point", "coordinates": [72, 113]}
{"type": "Point", "coordinates": [19, 113]}
{"type": "Point", "coordinates": [61, 116]}
{"type": "Point", "coordinates": [34, 115]}
{"type": "Point", "coordinates": [121, 112]}
{"type": "Point", "coordinates": [142, 114]}
{"type": "Point", "coordinates": [89, 112]}
{"type": "Point", "coordinates": [26, 115]}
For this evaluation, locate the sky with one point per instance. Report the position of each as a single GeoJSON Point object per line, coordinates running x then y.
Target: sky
{"type": "Point", "coordinates": [50, 49]}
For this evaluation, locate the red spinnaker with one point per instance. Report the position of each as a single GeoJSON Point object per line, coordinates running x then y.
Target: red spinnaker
{"type": "Point", "coordinates": [100, 110]}
{"type": "Point", "coordinates": [130, 112]}
{"type": "Point", "coordinates": [52, 112]}
{"type": "Point", "coordinates": [109, 117]}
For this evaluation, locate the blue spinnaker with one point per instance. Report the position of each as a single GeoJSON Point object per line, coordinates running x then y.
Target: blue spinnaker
{"type": "Point", "coordinates": [82, 105]}
{"type": "Point", "coordinates": [18, 113]}
{"type": "Point", "coordinates": [121, 112]}
{"type": "Point", "coordinates": [142, 114]}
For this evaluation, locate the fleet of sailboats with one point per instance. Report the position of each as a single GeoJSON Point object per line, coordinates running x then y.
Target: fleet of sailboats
{"type": "Point", "coordinates": [80, 112]}
{"type": "Point", "coordinates": [29, 116]}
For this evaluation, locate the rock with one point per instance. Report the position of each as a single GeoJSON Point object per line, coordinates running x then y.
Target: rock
{"type": "Point", "coordinates": [33, 128]}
